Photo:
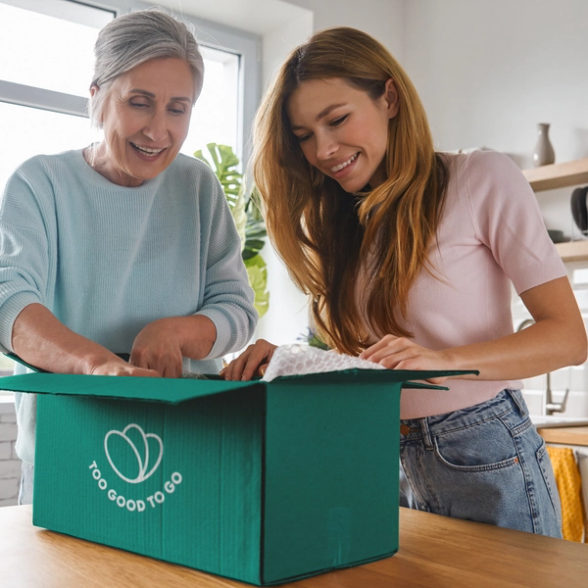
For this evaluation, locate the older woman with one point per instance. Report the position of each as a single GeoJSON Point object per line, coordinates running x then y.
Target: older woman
{"type": "Point", "coordinates": [125, 246]}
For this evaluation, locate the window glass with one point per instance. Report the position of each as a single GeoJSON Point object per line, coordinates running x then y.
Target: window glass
{"type": "Point", "coordinates": [215, 115]}
{"type": "Point", "coordinates": [31, 131]}
{"type": "Point", "coordinates": [36, 49]}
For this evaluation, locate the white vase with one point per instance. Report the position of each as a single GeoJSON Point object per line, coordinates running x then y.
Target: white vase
{"type": "Point", "coordinates": [543, 153]}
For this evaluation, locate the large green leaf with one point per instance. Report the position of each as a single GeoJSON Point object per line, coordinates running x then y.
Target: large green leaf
{"type": "Point", "coordinates": [224, 163]}
{"type": "Point", "coordinates": [257, 271]}
{"type": "Point", "coordinates": [246, 211]}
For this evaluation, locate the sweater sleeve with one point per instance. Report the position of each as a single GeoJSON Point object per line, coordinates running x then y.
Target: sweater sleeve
{"type": "Point", "coordinates": [507, 219]}
{"type": "Point", "coordinates": [228, 298]}
{"type": "Point", "coordinates": [24, 252]}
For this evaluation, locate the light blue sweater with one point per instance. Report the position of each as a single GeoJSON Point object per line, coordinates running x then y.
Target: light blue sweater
{"type": "Point", "coordinates": [107, 260]}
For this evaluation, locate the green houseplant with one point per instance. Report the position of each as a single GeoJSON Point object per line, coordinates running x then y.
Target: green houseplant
{"type": "Point", "coordinates": [247, 216]}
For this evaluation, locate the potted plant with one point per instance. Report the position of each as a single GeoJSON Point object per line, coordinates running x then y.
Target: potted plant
{"type": "Point", "coordinates": [247, 216]}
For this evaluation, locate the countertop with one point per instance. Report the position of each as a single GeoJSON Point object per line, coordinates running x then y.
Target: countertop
{"type": "Point", "coordinates": [565, 435]}
{"type": "Point", "coordinates": [435, 552]}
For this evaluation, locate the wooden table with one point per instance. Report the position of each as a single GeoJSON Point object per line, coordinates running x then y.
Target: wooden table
{"type": "Point", "coordinates": [435, 552]}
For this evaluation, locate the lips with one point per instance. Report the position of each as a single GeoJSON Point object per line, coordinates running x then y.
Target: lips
{"type": "Point", "coordinates": [147, 152]}
{"type": "Point", "coordinates": [341, 166]}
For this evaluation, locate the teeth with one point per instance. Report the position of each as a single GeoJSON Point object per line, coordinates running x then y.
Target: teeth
{"type": "Point", "coordinates": [147, 150]}
{"type": "Point", "coordinates": [344, 164]}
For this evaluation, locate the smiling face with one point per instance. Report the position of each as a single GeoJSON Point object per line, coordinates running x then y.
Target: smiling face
{"type": "Point", "coordinates": [145, 121]}
{"type": "Point", "coordinates": [342, 131]}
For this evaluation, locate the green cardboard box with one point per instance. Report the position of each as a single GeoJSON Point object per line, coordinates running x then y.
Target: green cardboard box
{"type": "Point", "coordinates": [263, 482]}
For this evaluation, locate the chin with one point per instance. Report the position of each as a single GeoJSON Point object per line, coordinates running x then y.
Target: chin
{"type": "Point", "coordinates": [353, 185]}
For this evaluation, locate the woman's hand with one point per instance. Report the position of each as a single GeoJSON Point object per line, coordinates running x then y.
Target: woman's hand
{"type": "Point", "coordinates": [252, 362]}
{"type": "Point", "coordinates": [122, 368]}
{"type": "Point", "coordinates": [40, 339]}
{"type": "Point", "coordinates": [158, 348]}
{"type": "Point", "coordinates": [401, 353]}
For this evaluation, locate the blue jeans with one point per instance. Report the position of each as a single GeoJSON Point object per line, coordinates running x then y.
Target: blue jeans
{"type": "Point", "coordinates": [485, 463]}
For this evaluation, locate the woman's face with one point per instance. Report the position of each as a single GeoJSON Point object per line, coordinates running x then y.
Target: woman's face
{"type": "Point", "coordinates": [145, 120]}
{"type": "Point", "coordinates": [342, 131]}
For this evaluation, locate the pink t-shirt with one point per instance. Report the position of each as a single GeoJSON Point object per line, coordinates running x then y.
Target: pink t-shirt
{"type": "Point", "coordinates": [491, 234]}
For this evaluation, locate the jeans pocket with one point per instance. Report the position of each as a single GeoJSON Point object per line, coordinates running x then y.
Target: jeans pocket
{"type": "Point", "coordinates": [481, 447]}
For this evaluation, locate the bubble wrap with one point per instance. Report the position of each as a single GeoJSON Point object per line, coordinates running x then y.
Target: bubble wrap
{"type": "Point", "coordinates": [296, 359]}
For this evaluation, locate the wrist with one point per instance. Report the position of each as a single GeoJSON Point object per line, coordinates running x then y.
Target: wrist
{"type": "Point", "coordinates": [451, 359]}
{"type": "Point", "coordinates": [197, 336]}
{"type": "Point", "coordinates": [96, 358]}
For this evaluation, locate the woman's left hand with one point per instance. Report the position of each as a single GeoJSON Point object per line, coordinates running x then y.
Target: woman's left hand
{"type": "Point", "coordinates": [157, 347]}
{"type": "Point", "coordinates": [401, 353]}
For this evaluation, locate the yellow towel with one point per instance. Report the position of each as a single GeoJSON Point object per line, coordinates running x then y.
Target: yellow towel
{"type": "Point", "coordinates": [567, 478]}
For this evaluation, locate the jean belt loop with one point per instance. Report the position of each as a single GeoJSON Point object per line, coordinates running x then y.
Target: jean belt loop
{"type": "Point", "coordinates": [426, 434]}
{"type": "Point", "coordinates": [515, 395]}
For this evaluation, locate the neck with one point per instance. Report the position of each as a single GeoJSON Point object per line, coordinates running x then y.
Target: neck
{"type": "Point", "coordinates": [97, 158]}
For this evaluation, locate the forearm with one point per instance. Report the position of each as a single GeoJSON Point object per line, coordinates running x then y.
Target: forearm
{"type": "Point", "coordinates": [40, 339]}
{"type": "Point", "coordinates": [194, 334]}
{"type": "Point", "coordinates": [543, 347]}
{"type": "Point", "coordinates": [557, 339]}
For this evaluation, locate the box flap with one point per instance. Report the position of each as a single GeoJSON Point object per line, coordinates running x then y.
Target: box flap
{"type": "Point", "coordinates": [422, 386]}
{"type": "Point", "coordinates": [383, 376]}
{"type": "Point", "coordinates": [174, 391]}
{"type": "Point", "coordinates": [167, 390]}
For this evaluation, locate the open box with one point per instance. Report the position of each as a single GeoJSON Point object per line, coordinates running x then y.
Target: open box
{"type": "Point", "coordinates": [263, 482]}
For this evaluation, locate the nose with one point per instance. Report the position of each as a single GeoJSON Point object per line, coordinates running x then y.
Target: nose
{"type": "Point", "coordinates": [326, 147]}
{"type": "Point", "coordinates": [156, 127]}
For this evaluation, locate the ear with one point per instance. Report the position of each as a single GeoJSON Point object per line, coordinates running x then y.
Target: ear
{"type": "Point", "coordinates": [93, 89]}
{"type": "Point", "coordinates": [391, 97]}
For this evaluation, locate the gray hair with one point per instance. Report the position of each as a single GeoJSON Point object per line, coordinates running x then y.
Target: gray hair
{"type": "Point", "coordinates": [130, 40]}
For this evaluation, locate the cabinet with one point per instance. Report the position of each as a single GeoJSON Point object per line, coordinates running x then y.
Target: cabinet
{"type": "Point", "coordinates": [561, 175]}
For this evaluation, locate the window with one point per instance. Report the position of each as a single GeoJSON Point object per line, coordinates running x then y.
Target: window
{"type": "Point", "coordinates": [44, 84]}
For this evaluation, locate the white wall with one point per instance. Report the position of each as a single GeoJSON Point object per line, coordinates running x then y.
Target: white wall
{"type": "Point", "coordinates": [488, 72]}
{"type": "Point", "coordinates": [383, 19]}
{"type": "Point", "coordinates": [10, 465]}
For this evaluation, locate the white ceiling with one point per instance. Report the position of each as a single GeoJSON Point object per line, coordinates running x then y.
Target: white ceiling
{"type": "Point", "coordinates": [255, 16]}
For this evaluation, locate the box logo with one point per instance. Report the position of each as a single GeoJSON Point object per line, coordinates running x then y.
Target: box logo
{"type": "Point", "coordinates": [141, 453]}
{"type": "Point", "coordinates": [147, 448]}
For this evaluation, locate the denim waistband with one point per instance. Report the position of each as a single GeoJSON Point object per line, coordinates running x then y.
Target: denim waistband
{"type": "Point", "coordinates": [504, 402]}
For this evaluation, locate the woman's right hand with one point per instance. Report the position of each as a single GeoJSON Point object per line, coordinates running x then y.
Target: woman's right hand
{"type": "Point", "coordinates": [252, 362]}
{"type": "Point", "coordinates": [122, 368]}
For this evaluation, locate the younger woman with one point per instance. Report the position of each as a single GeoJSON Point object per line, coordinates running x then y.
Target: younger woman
{"type": "Point", "coordinates": [408, 256]}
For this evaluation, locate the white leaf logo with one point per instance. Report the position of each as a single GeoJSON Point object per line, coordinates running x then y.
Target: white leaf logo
{"type": "Point", "coordinates": [143, 462]}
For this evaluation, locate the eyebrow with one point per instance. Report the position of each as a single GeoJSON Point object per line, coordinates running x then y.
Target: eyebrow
{"type": "Point", "coordinates": [151, 95]}
{"type": "Point", "coordinates": [322, 114]}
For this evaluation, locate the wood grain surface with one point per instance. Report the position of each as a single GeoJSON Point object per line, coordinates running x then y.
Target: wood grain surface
{"type": "Point", "coordinates": [435, 552]}
{"type": "Point", "coordinates": [566, 436]}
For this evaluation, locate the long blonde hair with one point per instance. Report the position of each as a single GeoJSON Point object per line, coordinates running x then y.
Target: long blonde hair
{"type": "Point", "coordinates": [322, 232]}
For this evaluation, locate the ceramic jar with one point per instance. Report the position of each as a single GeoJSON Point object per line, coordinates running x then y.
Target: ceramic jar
{"type": "Point", "coordinates": [543, 153]}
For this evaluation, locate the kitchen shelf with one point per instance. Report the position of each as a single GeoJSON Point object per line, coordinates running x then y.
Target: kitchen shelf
{"type": "Point", "coordinates": [573, 251]}
{"type": "Point", "coordinates": [558, 175]}
{"type": "Point", "coordinates": [565, 435]}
